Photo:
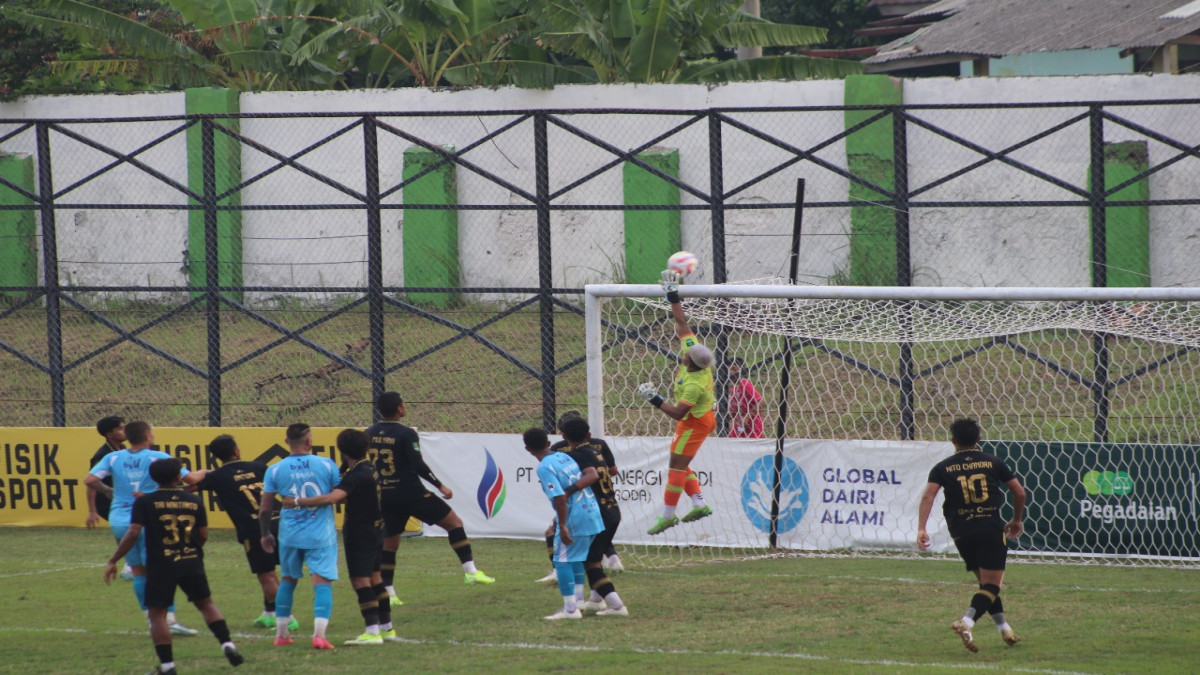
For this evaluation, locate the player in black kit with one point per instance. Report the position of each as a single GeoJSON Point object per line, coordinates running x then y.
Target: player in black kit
{"type": "Point", "coordinates": [238, 484]}
{"type": "Point", "coordinates": [362, 534]}
{"type": "Point", "coordinates": [972, 481]}
{"type": "Point", "coordinates": [176, 525]}
{"type": "Point", "coordinates": [396, 451]}
{"type": "Point", "coordinates": [604, 599]}
{"type": "Point", "coordinates": [611, 562]}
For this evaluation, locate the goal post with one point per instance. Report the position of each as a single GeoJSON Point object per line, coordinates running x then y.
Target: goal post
{"type": "Point", "coordinates": [1091, 394]}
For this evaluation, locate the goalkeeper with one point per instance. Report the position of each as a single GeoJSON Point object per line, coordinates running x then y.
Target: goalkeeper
{"type": "Point", "coordinates": [692, 410]}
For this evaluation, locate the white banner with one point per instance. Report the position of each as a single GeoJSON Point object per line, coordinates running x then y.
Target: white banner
{"type": "Point", "coordinates": [834, 494]}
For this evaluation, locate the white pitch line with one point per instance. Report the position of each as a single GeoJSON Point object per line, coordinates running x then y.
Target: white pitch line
{"type": "Point", "coordinates": [939, 582]}
{"type": "Point", "coordinates": [634, 650]}
{"type": "Point", "coordinates": [48, 571]}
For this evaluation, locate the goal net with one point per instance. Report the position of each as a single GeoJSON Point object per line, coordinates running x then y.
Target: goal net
{"type": "Point", "coordinates": [1090, 395]}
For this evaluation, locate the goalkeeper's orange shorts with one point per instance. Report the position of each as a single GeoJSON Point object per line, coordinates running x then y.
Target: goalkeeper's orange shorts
{"type": "Point", "coordinates": [690, 432]}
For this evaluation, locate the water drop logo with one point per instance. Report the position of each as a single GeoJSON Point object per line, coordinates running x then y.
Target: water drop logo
{"type": "Point", "coordinates": [491, 488]}
{"type": "Point", "coordinates": [757, 494]}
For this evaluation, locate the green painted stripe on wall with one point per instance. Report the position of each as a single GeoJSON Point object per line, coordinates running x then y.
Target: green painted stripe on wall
{"type": "Point", "coordinates": [228, 173]}
{"type": "Point", "coordinates": [18, 229]}
{"type": "Point", "coordinates": [650, 236]}
{"type": "Point", "coordinates": [869, 155]}
{"type": "Point", "coordinates": [1127, 237]}
{"type": "Point", "coordinates": [430, 236]}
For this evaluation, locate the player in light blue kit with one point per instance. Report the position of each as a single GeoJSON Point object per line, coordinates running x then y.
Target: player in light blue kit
{"type": "Point", "coordinates": [130, 471]}
{"type": "Point", "coordinates": [307, 535]}
{"type": "Point", "coordinates": [577, 515]}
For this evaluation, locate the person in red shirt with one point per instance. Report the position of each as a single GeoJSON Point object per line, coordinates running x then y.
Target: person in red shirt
{"type": "Point", "coordinates": [745, 404]}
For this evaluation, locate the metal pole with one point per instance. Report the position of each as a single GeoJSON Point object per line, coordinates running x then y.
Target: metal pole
{"type": "Point", "coordinates": [717, 215]}
{"type": "Point", "coordinates": [785, 373]}
{"type": "Point", "coordinates": [374, 259]}
{"type": "Point", "coordinates": [716, 190]}
{"type": "Point", "coordinates": [903, 266]}
{"type": "Point", "coordinates": [1096, 204]}
{"type": "Point", "coordinates": [54, 345]}
{"type": "Point", "coordinates": [212, 269]}
{"type": "Point", "coordinates": [541, 154]}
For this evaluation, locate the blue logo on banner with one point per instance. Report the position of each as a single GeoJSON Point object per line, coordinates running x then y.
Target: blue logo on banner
{"type": "Point", "coordinates": [757, 494]}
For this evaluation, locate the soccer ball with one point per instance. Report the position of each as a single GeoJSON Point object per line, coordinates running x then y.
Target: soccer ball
{"type": "Point", "coordinates": [683, 263]}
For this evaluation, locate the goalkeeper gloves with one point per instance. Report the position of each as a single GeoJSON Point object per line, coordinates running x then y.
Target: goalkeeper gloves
{"type": "Point", "coordinates": [648, 392]}
{"type": "Point", "coordinates": [670, 285]}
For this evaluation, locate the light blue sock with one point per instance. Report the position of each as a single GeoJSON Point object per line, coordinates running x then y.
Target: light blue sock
{"type": "Point", "coordinates": [566, 578]}
{"type": "Point", "coordinates": [580, 578]}
{"type": "Point", "coordinates": [139, 589]}
{"type": "Point", "coordinates": [284, 598]}
{"type": "Point", "coordinates": [322, 601]}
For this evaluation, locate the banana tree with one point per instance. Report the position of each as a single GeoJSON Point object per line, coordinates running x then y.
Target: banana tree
{"type": "Point", "coordinates": [182, 44]}
{"type": "Point", "coordinates": [675, 40]}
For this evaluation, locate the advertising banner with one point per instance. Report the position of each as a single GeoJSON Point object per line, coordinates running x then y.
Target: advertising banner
{"type": "Point", "coordinates": [1126, 499]}
{"type": "Point", "coordinates": [1084, 498]}
{"type": "Point", "coordinates": [42, 468]}
{"type": "Point", "coordinates": [834, 494]}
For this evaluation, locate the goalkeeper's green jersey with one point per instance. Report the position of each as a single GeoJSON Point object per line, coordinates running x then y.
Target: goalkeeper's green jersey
{"type": "Point", "coordinates": [694, 387]}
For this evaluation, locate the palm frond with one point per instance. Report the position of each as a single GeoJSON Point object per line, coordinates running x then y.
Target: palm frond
{"type": "Point", "coordinates": [746, 34]}
{"type": "Point", "coordinates": [525, 74]}
{"type": "Point", "coordinates": [654, 49]}
{"type": "Point", "coordinates": [786, 67]}
{"type": "Point", "coordinates": [99, 27]}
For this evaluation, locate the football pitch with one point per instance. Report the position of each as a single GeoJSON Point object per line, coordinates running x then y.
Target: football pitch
{"type": "Point", "coordinates": [810, 614]}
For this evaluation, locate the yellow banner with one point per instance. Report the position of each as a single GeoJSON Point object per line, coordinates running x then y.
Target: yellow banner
{"type": "Point", "coordinates": [42, 468]}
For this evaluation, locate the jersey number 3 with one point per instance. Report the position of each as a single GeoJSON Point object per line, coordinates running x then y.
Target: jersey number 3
{"type": "Point", "coordinates": [179, 528]}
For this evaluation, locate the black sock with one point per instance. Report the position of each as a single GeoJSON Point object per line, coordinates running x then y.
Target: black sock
{"type": "Point", "coordinates": [599, 581]}
{"type": "Point", "coordinates": [368, 604]}
{"type": "Point", "coordinates": [997, 607]}
{"type": "Point", "coordinates": [550, 548]}
{"type": "Point", "coordinates": [164, 653]}
{"type": "Point", "coordinates": [385, 603]}
{"type": "Point", "coordinates": [988, 593]}
{"type": "Point", "coordinates": [610, 551]}
{"type": "Point", "coordinates": [387, 566]}
{"type": "Point", "coordinates": [460, 544]}
{"type": "Point", "coordinates": [220, 629]}
{"type": "Point", "coordinates": [269, 606]}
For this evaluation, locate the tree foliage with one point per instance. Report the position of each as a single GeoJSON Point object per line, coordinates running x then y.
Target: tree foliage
{"type": "Point", "coordinates": [330, 44]}
{"type": "Point", "coordinates": [26, 55]}
{"type": "Point", "coordinates": [839, 17]}
{"type": "Point", "coordinates": [673, 40]}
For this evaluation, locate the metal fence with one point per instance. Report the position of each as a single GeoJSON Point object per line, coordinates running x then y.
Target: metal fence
{"type": "Point", "coordinates": [252, 269]}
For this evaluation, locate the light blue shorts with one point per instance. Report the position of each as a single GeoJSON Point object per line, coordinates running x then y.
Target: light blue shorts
{"type": "Point", "coordinates": [322, 561]}
{"type": "Point", "coordinates": [576, 551]}
{"type": "Point", "coordinates": [137, 554]}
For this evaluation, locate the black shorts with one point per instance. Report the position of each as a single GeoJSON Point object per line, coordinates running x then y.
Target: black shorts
{"type": "Point", "coordinates": [160, 588]}
{"type": "Point", "coordinates": [362, 552]}
{"type": "Point", "coordinates": [260, 561]}
{"type": "Point", "coordinates": [983, 550]}
{"type": "Point", "coordinates": [423, 505]}
{"type": "Point", "coordinates": [603, 540]}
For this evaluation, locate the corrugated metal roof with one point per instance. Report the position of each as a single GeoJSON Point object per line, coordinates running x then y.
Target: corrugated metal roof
{"type": "Point", "coordinates": [995, 28]}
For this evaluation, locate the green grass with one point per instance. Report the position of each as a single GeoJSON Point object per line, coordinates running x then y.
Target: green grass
{"type": "Point", "coordinates": [813, 615]}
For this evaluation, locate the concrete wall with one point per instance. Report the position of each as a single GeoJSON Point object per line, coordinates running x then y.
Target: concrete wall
{"type": "Point", "coordinates": [92, 243]}
{"type": "Point", "coordinates": [1044, 246]}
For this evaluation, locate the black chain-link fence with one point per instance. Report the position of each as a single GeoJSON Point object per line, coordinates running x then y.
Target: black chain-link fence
{"type": "Point", "coordinates": [257, 269]}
